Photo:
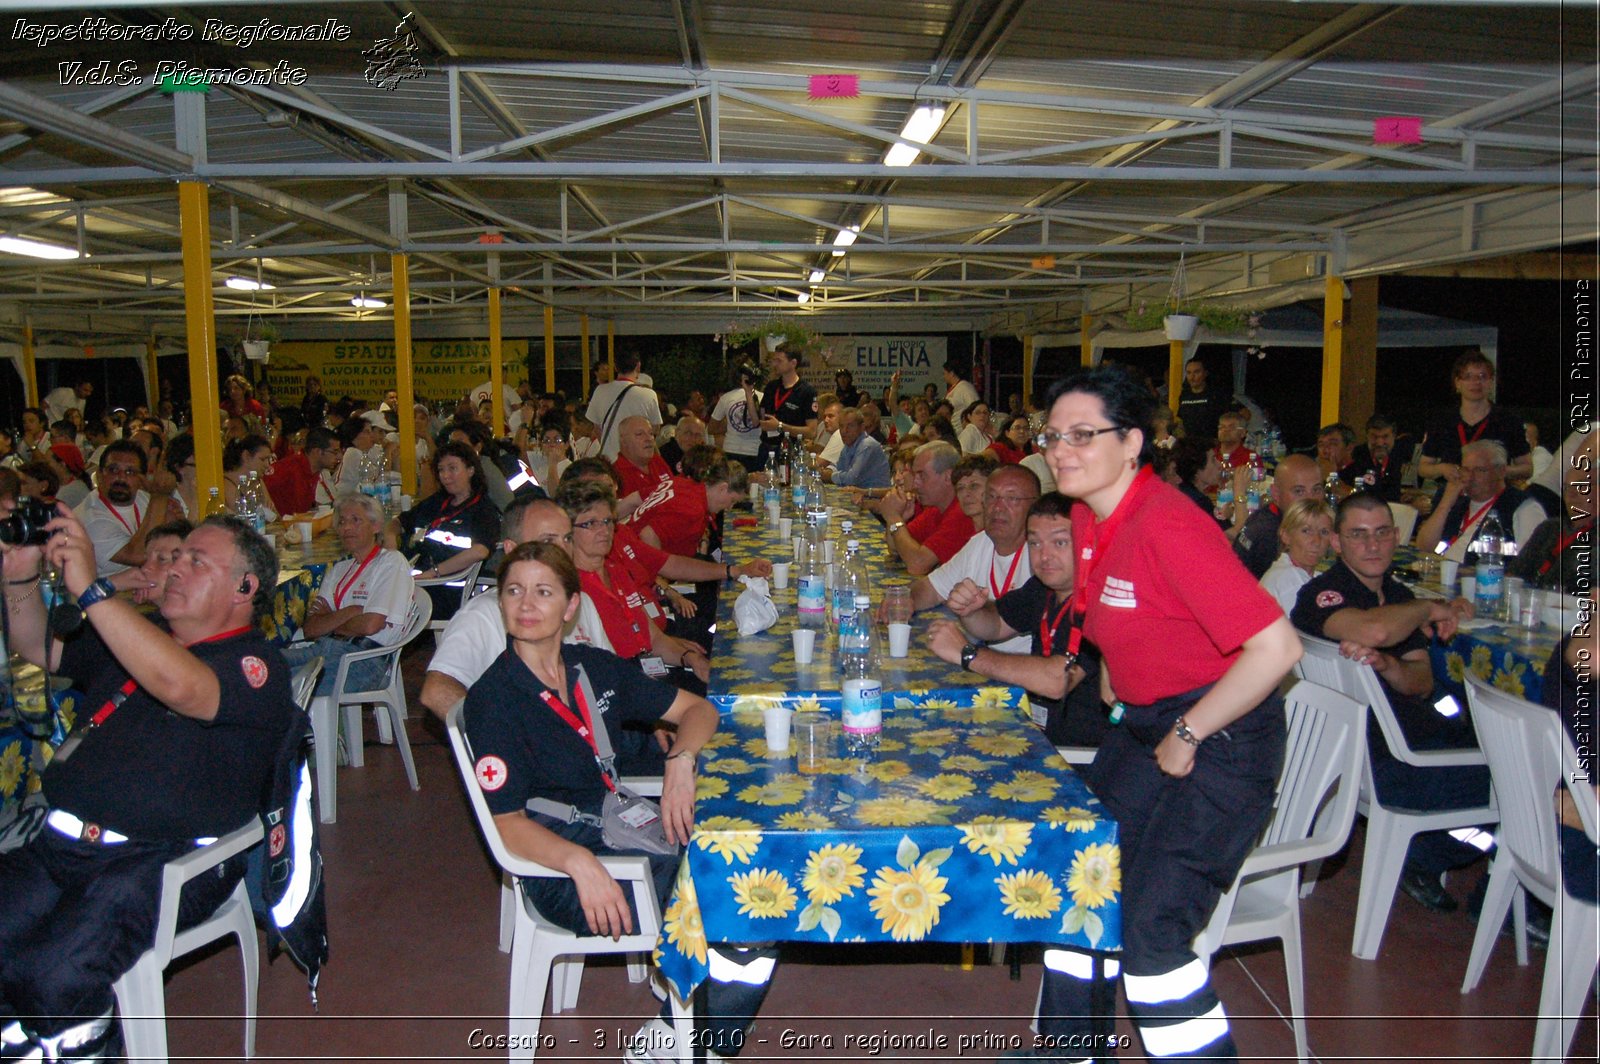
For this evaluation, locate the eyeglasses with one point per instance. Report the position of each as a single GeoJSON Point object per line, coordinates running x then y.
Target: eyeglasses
{"type": "Point", "coordinates": [1367, 535]}
{"type": "Point", "coordinates": [123, 471]}
{"type": "Point", "coordinates": [553, 440]}
{"type": "Point", "coordinates": [594, 523]}
{"type": "Point", "coordinates": [1072, 437]}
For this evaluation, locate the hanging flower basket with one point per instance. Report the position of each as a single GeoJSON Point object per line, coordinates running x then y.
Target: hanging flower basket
{"type": "Point", "coordinates": [256, 350]}
{"type": "Point", "coordinates": [1180, 327]}
{"type": "Point", "coordinates": [790, 334]}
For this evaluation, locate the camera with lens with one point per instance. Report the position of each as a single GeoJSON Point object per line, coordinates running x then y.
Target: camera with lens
{"type": "Point", "coordinates": [25, 526]}
{"type": "Point", "coordinates": [749, 373]}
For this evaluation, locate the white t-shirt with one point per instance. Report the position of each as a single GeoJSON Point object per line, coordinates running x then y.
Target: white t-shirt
{"type": "Point", "coordinates": [833, 449]}
{"type": "Point", "coordinates": [110, 527]}
{"type": "Point", "coordinates": [1524, 519]}
{"type": "Point", "coordinates": [59, 401]}
{"type": "Point", "coordinates": [977, 562]}
{"type": "Point", "coordinates": [962, 396]}
{"type": "Point", "coordinates": [385, 586]}
{"type": "Point", "coordinates": [1284, 580]}
{"type": "Point", "coordinates": [476, 635]}
{"type": "Point", "coordinates": [509, 398]}
{"type": "Point", "coordinates": [972, 439]}
{"type": "Point", "coordinates": [639, 401]}
{"type": "Point", "coordinates": [1041, 469]}
{"type": "Point", "coordinates": [744, 425]}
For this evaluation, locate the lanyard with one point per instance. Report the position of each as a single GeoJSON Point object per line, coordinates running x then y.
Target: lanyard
{"type": "Point", "coordinates": [344, 585]}
{"type": "Point", "coordinates": [584, 728]}
{"type": "Point", "coordinates": [779, 396]}
{"type": "Point", "coordinates": [137, 519]}
{"type": "Point", "coordinates": [114, 703]}
{"type": "Point", "coordinates": [1089, 556]}
{"type": "Point", "coordinates": [1010, 573]}
{"type": "Point", "coordinates": [1461, 431]}
{"type": "Point", "coordinates": [1048, 626]}
{"type": "Point", "coordinates": [1565, 542]}
{"type": "Point", "coordinates": [607, 584]}
{"type": "Point", "coordinates": [447, 514]}
{"type": "Point", "coordinates": [1469, 523]}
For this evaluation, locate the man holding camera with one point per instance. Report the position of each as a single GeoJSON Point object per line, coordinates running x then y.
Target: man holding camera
{"type": "Point", "coordinates": [736, 420]}
{"type": "Point", "coordinates": [174, 747]}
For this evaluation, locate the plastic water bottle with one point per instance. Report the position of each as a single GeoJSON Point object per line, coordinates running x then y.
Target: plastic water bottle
{"type": "Point", "coordinates": [1489, 593]}
{"type": "Point", "coordinates": [244, 504]}
{"type": "Point", "coordinates": [391, 505]}
{"type": "Point", "coordinates": [799, 481]}
{"type": "Point", "coordinates": [811, 590]}
{"type": "Point", "coordinates": [380, 491]}
{"type": "Point", "coordinates": [862, 701]}
{"type": "Point", "coordinates": [844, 595]}
{"type": "Point", "coordinates": [1225, 492]}
{"type": "Point", "coordinates": [771, 500]}
{"type": "Point", "coordinates": [1257, 475]}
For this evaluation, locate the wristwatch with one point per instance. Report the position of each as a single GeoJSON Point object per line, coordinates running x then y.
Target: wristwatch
{"type": "Point", "coordinates": [897, 526]}
{"type": "Point", "coordinates": [1182, 729]}
{"type": "Point", "coordinates": [968, 653]}
{"type": "Point", "coordinates": [99, 590]}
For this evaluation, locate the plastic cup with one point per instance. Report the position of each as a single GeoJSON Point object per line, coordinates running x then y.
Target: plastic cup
{"type": "Point", "coordinates": [897, 605]}
{"type": "Point", "coordinates": [899, 639]}
{"type": "Point", "coordinates": [780, 575]}
{"type": "Point", "coordinates": [805, 642]}
{"type": "Point", "coordinates": [1447, 572]}
{"type": "Point", "coordinates": [814, 737]}
{"type": "Point", "coordinates": [827, 552]}
{"type": "Point", "coordinates": [1469, 587]}
{"type": "Point", "coordinates": [772, 513]}
{"type": "Point", "coordinates": [303, 530]}
{"type": "Point", "coordinates": [405, 503]}
{"type": "Point", "coordinates": [795, 544]}
{"type": "Point", "coordinates": [1516, 590]}
{"type": "Point", "coordinates": [777, 719]}
{"type": "Point", "coordinates": [786, 527]}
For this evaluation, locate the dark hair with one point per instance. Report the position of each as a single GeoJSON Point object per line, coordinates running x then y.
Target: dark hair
{"type": "Point", "coordinates": [180, 451]}
{"type": "Point", "coordinates": [1379, 422]}
{"type": "Point", "coordinates": [549, 555]}
{"type": "Point", "coordinates": [706, 464]}
{"type": "Point", "coordinates": [552, 421]}
{"type": "Point", "coordinates": [1051, 504]}
{"type": "Point", "coordinates": [37, 412]}
{"type": "Point", "coordinates": [983, 463]}
{"type": "Point", "coordinates": [1361, 500]}
{"type": "Point", "coordinates": [576, 496]}
{"type": "Point", "coordinates": [258, 556]}
{"type": "Point", "coordinates": [350, 428]}
{"type": "Point", "coordinates": [1012, 419]}
{"type": "Point", "coordinates": [233, 455]}
{"type": "Point", "coordinates": [593, 466]}
{"type": "Point", "coordinates": [180, 527]}
{"type": "Point", "coordinates": [41, 470]}
{"type": "Point", "coordinates": [476, 432]}
{"type": "Point", "coordinates": [1347, 435]}
{"type": "Point", "coordinates": [320, 440]}
{"type": "Point", "coordinates": [125, 447]}
{"type": "Point", "coordinates": [1128, 404]}
{"type": "Point", "coordinates": [627, 361]}
{"type": "Point", "coordinates": [65, 426]}
{"type": "Point", "coordinates": [454, 449]}
{"type": "Point", "coordinates": [938, 427]}
{"type": "Point", "coordinates": [1466, 359]}
{"type": "Point", "coordinates": [1190, 455]}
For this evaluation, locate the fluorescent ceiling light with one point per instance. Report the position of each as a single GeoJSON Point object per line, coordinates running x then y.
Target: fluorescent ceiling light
{"type": "Point", "coordinates": [17, 245]}
{"type": "Point", "coordinates": [803, 297]}
{"type": "Point", "coordinates": [921, 126]}
{"type": "Point", "coordinates": [817, 276]}
{"type": "Point", "coordinates": [244, 284]}
{"type": "Point", "coordinates": [367, 303]}
{"type": "Point", "coordinates": [845, 238]}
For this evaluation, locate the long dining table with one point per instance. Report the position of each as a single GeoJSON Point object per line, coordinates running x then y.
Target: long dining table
{"type": "Point", "coordinates": [963, 826]}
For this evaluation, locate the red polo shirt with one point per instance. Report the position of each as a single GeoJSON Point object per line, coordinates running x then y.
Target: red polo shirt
{"type": "Point", "coordinates": [621, 611]}
{"type": "Point", "coordinates": [644, 481]}
{"type": "Point", "coordinates": [944, 532]}
{"type": "Point", "coordinates": [678, 513]}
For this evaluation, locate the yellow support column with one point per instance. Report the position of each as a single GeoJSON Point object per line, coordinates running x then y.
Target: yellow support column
{"type": "Point", "coordinates": [194, 224]}
{"type": "Point", "coordinates": [1085, 349]}
{"type": "Point", "coordinates": [549, 349]}
{"type": "Point", "coordinates": [583, 327]}
{"type": "Point", "coordinates": [30, 370]}
{"type": "Point", "coordinates": [1027, 371]}
{"type": "Point", "coordinates": [1174, 372]}
{"type": "Point", "coordinates": [497, 407]}
{"type": "Point", "coordinates": [611, 347]}
{"type": "Point", "coordinates": [399, 265]}
{"type": "Point", "coordinates": [150, 369]}
{"type": "Point", "coordinates": [1332, 346]}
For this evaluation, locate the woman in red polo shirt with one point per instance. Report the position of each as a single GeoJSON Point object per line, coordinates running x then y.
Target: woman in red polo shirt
{"type": "Point", "coordinates": [678, 514]}
{"type": "Point", "coordinates": [1190, 772]}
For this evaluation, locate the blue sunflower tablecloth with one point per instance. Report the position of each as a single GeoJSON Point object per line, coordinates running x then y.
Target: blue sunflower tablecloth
{"type": "Point", "coordinates": [1508, 656]}
{"type": "Point", "coordinates": [25, 751]}
{"type": "Point", "coordinates": [290, 600]}
{"type": "Point", "coordinates": [965, 827]}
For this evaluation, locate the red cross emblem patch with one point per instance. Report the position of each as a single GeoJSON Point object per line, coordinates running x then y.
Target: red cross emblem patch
{"type": "Point", "coordinates": [491, 773]}
{"type": "Point", "coordinates": [255, 671]}
{"type": "Point", "coordinates": [91, 833]}
{"type": "Point", "coordinates": [1329, 598]}
{"type": "Point", "coordinates": [276, 839]}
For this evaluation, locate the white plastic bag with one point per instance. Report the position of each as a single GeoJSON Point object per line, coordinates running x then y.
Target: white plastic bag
{"type": "Point", "coordinates": [753, 610]}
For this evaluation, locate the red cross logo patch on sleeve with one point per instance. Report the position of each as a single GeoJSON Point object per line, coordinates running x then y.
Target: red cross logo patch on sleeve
{"type": "Point", "coordinates": [1328, 599]}
{"type": "Point", "coordinates": [491, 773]}
{"type": "Point", "coordinates": [255, 671]}
{"type": "Point", "coordinates": [276, 839]}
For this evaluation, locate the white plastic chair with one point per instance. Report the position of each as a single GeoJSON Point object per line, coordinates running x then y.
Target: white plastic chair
{"type": "Point", "coordinates": [1312, 814]}
{"type": "Point", "coordinates": [1528, 752]}
{"type": "Point", "coordinates": [467, 579]}
{"type": "Point", "coordinates": [1405, 521]}
{"type": "Point", "coordinates": [390, 700]}
{"type": "Point", "coordinates": [1389, 830]}
{"type": "Point", "coordinates": [141, 996]}
{"type": "Point", "coordinates": [303, 684]}
{"type": "Point", "coordinates": [543, 954]}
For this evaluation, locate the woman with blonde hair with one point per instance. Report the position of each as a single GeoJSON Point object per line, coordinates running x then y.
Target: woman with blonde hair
{"type": "Point", "coordinates": [1306, 534]}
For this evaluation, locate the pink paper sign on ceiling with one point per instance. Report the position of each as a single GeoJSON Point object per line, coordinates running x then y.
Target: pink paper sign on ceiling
{"type": "Point", "coordinates": [1397, 129]}
{"type": "Point", "coordinates": [830, 86]}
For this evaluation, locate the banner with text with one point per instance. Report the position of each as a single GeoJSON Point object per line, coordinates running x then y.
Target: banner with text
{"type": "Point", "coordinates": [872, 360]}
{"type": "Point", "coordinates": [441, 369]}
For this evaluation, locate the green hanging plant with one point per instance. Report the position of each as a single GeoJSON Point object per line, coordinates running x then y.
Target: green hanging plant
{"type": "Point", "coordinates": [792, 334]}
{"type": "Point", "coordinates": [1218, 319]}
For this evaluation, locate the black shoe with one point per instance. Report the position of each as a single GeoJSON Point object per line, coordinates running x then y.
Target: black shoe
{"type": "Point", "coordinates": [1538, 925]}
{"type": "Point", "coordinates": [1425, 889]}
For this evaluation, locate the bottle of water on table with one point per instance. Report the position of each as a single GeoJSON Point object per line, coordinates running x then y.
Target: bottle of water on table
{"type": "Point", "coordinates": [1489, 593]}
{"type": "Point", "coordinates": [862, 708]}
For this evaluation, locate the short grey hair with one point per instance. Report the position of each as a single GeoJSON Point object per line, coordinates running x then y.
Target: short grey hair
{"type": "Point", "coordinates": [945, 456]}
{"type": "Point", "coordinates": [355, 500]}
{"type": "Point", "coordinates": [1493, 448]}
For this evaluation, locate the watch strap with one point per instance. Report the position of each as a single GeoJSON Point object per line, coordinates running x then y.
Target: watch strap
{"type": "Point", "coordinates": [96, 592]}
{"type": "Point", "coordinates": [968, 654]}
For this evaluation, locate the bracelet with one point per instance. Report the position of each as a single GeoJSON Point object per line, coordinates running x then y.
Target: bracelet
{"type": "Point", "coordinates": [17, 600]}
{"type": "Point", "coordinates": [897, 526]}
{"type": "Point", "coordinates": [728, 569]}
{"type": "Point", "coordinates": [1181, 729]}
{"type": "Point", "coordinates": [690, 754]}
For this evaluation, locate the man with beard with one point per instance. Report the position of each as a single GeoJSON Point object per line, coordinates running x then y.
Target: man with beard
{"type": "Point", "coordinates": [120, 514]}
{"type": "Point", "coordinates": [1374, 465]}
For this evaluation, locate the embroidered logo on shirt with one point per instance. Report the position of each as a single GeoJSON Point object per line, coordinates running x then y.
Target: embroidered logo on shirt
{"type": "Point", "coordinates": [1119, 593]}
{"type": "Point", "coordinates": [491, 772]}
{"type": "Point", "coordinates": [276, 840]}
{"type": "Point", "coordinates": [1326, 599]}
{"type": "Point", "coordinates": [255, 671]}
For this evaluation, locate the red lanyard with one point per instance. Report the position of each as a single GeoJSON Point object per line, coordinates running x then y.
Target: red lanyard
{"type": "Point", "coordinates": [1090, 554]}
{"type": "Point", "coordinates": [114, 703]}
{"type": "Point", "coordinates": [1471, 521]}
{"type": "Point", "coordinates": [1047, 626]}
{"type": "Point", "coordinates": [120, 519]}
{"type": "Point", "coordinates": [1565, 542]}
{"type": "Point", "coordinates": [779, 396]}
{"type": "Point", "coordinates": [344, 585]}
{"type": "Point", "coordinates": [1461, 431]}
{"type": "Point", "coordinates": [446, 515]}
{"type": "Point", "coordinates": [584, 728]}
{"type": "Point", "coordinates": [1015, 560]}
{"type": "Point", "coordinates": [610, 588]}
